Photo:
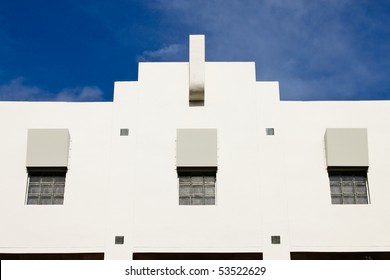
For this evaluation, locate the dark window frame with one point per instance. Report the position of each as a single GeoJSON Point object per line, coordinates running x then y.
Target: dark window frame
{"type": "Point", "coordinates": [349, 185]}
{"type": "Point", "coordinates": [45, 185]}
{"type": "Point", "coordinates": [192, 190]}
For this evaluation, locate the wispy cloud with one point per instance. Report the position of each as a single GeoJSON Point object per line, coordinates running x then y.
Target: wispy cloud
{"type": "Point", "coordinates": [86, 93]}
{"type": "Point", "coordinates": [16, 90]}
{"type": "Point", "coordinates": [324, 49]}
{"type": "Point", "coordinates": [166, 53]}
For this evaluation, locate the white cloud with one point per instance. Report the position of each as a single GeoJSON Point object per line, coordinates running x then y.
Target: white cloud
{"type": "Point", "coordinates": [16, 90]}
{"type": "Point", "coordinates": [166, 53]}
{"type": "Point", "coordinates": [80, 94]}
{"type": "Point", "coordinates": [314, 48]}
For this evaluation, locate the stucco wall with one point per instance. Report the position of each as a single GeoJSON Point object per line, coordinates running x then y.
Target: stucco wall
{"type": "Point", "coordinates": [79, 224]}
{"type": "Point", "coordinates": [128, 186]}
{"type": "Point", "coordinates": [315, 223]}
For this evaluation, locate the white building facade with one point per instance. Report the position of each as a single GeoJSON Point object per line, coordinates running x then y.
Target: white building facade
{"type": "Point", "coordinates": [195, 160]}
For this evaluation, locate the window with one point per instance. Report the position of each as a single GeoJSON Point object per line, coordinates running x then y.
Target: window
{"type": "Point", "coordinates": [275, 239]}
{"type": "Point", "coordinates": [124, 132]}
{"type": "Point", "coordinates": [348, 186]}
{"type": "Point", "coordinates": [119, 239]}
{"type": "Point", "coordinates": [45, 186]}
{"type": "Point", "coordinates": [270, 131]}
{"type": "Point", "coordinates": [197, 186]}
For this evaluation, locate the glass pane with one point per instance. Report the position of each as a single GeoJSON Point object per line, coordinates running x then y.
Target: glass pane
{"type": "Point", "coordinates": [197, 190]}
{"type": "Point", "coordinates": [58, 200]}
{"type": "Point", "coordinates": [59, 189]}
{"type": "Point", "coordinates": [360, 179]}
{"type": "Point", "coordinates": [360, 182]}
{"type": "Point", "coordinates": [197, 180]}
{"type": "Point", "coordinates": [348, 189]}
{"type": "Point", "coordinates": [335, 189]}
{"type": "Point", "coordinates": [336, 199]}
{"type": "Point", "coordinates": [209, 200]}
{"type": "Point", "coordinates": [33, 189]}
{"type": "Point", "coordinates": [334, 180]}
{"type": "Point", "coordinates": [35, 179]}
{"type": "Point", "coordinates": [45, 200]}
{"type": "Point", "coordinates": [184, 191]}
{"type": "Point", "coordinates": [59, 179]}
{"type": "Point", "coordinates": [32, 200]}
{"type": "Point", "coordinates": [335, 183]}
{"type": "Point", "coordinates": [184, 180]}
{"type": "Point", "coordinates": [361, 189]}
{"type": "Point", "coordinates": [349, 200]}
{"type": "Point", "coordinates": [362, 200]}
{"type": "Point", "coordinates": [209, 190]}
{"type": "Point", "coordinates": [347, 178]}
{"type": "Point", "coordinates": [209, 179]}
{"type": "Point", "coordinates": [47, 179]}
{"type": "Point", "coordinates": [184, 201]}
{"type": "Point", "coordinates": [197, 201]}
{"type": "Point", "coordinates": [347, 183]}
{"type": "Point", "coordinates": [46, 189]}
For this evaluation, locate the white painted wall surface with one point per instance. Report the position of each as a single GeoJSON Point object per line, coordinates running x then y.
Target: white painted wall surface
{"type": "Point", "coordinates": [79, 225]}
{"type": "Point", "coordinates": [316, 224]}
{"type": "Point", "coordinates": [266, 185]}
{"type": "Point", "coordinates": [128, 186]}
{"type": "Point", "coordinates": [160, 224]}
{"type": "Point", "coordinates": [153, 109]}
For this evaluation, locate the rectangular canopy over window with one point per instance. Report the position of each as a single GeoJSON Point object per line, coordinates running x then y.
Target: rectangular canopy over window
{"type": "Point", "coordinates": [346, 147]}
{"type": "Point", "coordinates": [196, 147]}
{"type": "Point", "coordinates": [48, 147]}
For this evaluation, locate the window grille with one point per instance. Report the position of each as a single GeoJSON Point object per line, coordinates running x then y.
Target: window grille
{"type": "Point", "coordinates": [349, 186]}
{"type": "Point", "coordinates": [197, 189]}
{"type": "Point", "coordinates": [45, 187]}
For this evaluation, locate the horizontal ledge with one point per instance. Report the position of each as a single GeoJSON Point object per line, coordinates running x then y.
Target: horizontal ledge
{"type": "Point", "coordinates": [193, 170]}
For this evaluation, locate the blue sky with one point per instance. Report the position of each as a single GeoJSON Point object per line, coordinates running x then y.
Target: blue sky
{"type": "Point", "coordinates": [74, 50]}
